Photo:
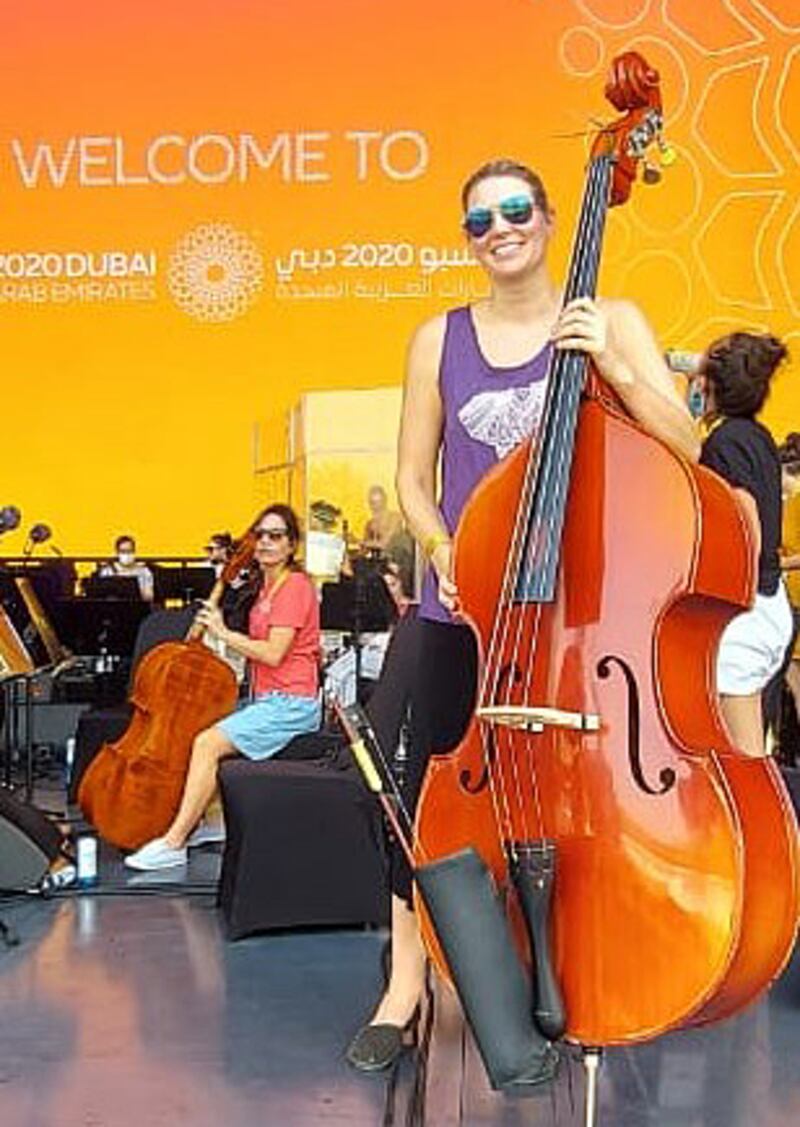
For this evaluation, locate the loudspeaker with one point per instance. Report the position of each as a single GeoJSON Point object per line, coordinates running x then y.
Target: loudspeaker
{"type": "Point", "coordinates": [29, 842]}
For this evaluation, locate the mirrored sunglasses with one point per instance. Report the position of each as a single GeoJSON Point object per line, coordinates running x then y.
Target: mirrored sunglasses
{"type": "Point", "coordinates": [516, 209]}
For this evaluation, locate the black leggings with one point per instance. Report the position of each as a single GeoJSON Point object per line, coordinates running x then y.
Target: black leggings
{"type": "Point", "coordinates": [442, 699]}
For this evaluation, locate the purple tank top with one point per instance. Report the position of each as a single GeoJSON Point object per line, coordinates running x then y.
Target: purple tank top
{"type": "Point", "coordinates": [487, 412]}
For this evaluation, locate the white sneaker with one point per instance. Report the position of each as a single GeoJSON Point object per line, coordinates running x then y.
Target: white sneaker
{"type": "Point", "coordinates": [156, 854]}
{"type": "Point", "coordinates": [207, 833]}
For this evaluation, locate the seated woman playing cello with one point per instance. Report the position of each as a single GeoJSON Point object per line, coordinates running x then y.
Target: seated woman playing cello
{"type": "Point", "coordinates": [282, 647]}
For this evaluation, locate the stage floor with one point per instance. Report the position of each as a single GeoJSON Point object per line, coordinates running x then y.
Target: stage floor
{"type": "Point", "coordinates": [130, 1009]}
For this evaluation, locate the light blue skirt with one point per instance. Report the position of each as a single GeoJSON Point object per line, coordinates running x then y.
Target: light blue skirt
{"type": "Point", "coordinates": [260, 728]}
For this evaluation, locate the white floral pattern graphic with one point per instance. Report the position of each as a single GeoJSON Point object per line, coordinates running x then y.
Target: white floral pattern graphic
{"type": "Point", "coordinates": [215, 272]}
{"type": "Point", "coordinates": [503, 419]}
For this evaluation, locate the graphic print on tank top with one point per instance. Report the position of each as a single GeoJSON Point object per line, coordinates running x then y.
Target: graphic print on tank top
{"type": "Point", "coordinates": [488, 411]}
{"type": "Point", "coordinates": [503, 419]}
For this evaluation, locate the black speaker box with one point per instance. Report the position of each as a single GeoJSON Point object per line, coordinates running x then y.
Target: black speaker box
{"type": "Point", "coordinates": [29, 842]}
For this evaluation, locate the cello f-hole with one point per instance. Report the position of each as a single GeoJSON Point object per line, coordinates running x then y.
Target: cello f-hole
{"type": "Point", "coordinates": [666, 776]}
{"type": "Point", "coordinates": [512, 673]}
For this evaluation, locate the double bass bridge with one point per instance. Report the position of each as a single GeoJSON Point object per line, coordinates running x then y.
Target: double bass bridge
{"type": "Point", "coordinates": [535, 718]}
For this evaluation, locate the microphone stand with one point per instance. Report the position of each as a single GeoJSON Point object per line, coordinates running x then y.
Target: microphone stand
{"type": "Point", "coordinates": [359, 603]}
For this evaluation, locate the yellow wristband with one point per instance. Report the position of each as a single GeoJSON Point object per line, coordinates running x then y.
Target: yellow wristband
{"type": "Point", "coordinates": [432, 542]}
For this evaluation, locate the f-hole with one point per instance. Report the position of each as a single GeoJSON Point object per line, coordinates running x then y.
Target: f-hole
{"type": "Point", "coordinates": [512, 674]}
{"type": "Point", "coordinates": [666, 776]}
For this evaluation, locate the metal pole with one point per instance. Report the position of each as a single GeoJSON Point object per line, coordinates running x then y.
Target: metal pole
{"type": "Point", "coordinates": [28, 739]}
{"type": "Point", "coordinates": [591, 1062]}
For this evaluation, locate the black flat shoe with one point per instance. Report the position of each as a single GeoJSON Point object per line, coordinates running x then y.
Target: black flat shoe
{"type": "Point", "coordinates": [376, 1047]}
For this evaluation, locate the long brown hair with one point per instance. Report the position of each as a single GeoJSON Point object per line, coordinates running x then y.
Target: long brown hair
{"type": "Point", "coordinates": [238, 606]}
{"type": "Point", "coordinates": [292, 522]}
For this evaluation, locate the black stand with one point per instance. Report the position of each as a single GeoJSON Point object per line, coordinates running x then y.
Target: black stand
{"type": "Point", "coordinates": [100, 626]}
{"type": "Point", "coordinates": [17, 700]}
{"type": "Point", "coordinates": [358, 605]}
{"type": "Point", "coordinates": [184, 583]}
{"type": "Point", "coordinates": [10, 688]}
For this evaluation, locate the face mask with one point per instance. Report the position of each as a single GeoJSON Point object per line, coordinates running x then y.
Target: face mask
{"type": "Point", "coordinates": [126, 558]}
{"type": "Point", "coordinates": [696, 401]}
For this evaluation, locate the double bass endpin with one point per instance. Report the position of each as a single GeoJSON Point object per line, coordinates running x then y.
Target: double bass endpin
{"type": "Point", "coordinates": [535, 718]}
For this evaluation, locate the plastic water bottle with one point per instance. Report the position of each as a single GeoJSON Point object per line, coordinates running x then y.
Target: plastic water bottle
{"type": "Point", "coordinates": [87, 860]}
{"type": "Point", "coordinates": [69, 759]}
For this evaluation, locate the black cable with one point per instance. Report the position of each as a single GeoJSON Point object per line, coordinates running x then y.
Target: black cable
{"type": "Point", "coordinates": [99, 891]}
{"type": "Point", "coordinates": [176, 888]}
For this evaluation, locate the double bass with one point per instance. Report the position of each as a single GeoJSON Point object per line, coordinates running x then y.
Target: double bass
{"type": "Point", "coordinates": [615, 566]}
{"type": "Point", "coordinates": [132, 789]}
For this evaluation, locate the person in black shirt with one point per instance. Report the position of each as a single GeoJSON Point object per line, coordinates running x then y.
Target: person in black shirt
{"type": "Point", "coordinates": [734, 378]}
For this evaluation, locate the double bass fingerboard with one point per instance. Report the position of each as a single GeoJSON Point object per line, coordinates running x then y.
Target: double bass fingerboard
{"type": "Point", "coordinates": [544, 495]}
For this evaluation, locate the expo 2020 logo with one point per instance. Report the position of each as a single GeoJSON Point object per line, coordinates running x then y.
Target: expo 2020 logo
{"type": "Point", "coordinates": [215, 272]}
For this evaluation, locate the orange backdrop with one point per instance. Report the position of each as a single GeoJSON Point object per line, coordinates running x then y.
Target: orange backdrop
{"type": "Point", "coordinates": [210, 209]}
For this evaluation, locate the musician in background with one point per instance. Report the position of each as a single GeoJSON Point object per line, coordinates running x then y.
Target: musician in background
{"type": "Point", "coordinates": [219, 550]}
{"type": "Point", "coordinates": [125, 564]}
{"type": "Point", "coordinates": [475, 385]}
{"type": "Point", "coordinates": [789, 454]}
{"type": "Point", "coordinates": [233, 604]}
{"type": "Point", "coordinates": [282, 645]}
{"type": "Point", "coordinates": [383, 524]}
{"type": "Point", "coordinates": [789, 673]}
{"type": "Point", "coordinates": [386, 535]}
{"type": "Point", "coordinates": [397, 586]}
{"type": "Point", "coordinates": [734, 380]}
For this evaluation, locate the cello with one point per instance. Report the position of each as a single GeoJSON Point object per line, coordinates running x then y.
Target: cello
{"type": "Point", "coordinates": [132, 789]}
{"type": "Point", "coordinates": [597, 737]}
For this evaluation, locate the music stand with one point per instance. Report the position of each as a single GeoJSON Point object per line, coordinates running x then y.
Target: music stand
{"type": "Point", "coordinates": [112, 587]}
{"type": "Point", "coordinates": [95, 626]}
{"type": "Point", "coordinates": [50, 579]}
{"type": "Point", "coordinates": [358, 605]}
{"type": "Point", "coordinates": [187, 583]}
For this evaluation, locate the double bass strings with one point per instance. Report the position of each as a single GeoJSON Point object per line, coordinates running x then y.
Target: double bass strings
{"type": "Point", "coordinates": [533, 472]}
{"type": "Point", "coordinates": [553, 479]}
{"type": "Point", "coordinates": [563, 392]}
{"type": "Point", "coordinates": [501, 792]}
{"type": "Point", "coordinates": [567, 393]}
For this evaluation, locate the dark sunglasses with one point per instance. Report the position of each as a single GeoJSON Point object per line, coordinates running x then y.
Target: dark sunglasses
{"type": "Point", "coordinates": [271, 534]}
{"type": "Point", "coordinates": [515, 209]}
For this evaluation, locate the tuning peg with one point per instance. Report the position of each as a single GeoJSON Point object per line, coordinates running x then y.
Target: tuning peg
{"type": "Point", "coordinates": [666, 153]}
{"type": "Point", "coordinates": [650, 174]}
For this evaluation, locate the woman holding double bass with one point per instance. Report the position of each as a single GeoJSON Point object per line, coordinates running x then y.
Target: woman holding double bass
{"type": "Point", "coordinates": [596, 730]}
{"type": "Point", "coordinates": [475, 385]}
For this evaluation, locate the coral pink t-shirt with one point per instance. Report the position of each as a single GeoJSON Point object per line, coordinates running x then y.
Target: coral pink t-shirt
{"type": "Point", "coordinates": [292, 603]}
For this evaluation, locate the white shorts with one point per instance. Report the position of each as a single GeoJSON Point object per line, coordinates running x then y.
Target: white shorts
{"type": "Point", "coordinates": [753, 645]}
